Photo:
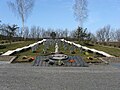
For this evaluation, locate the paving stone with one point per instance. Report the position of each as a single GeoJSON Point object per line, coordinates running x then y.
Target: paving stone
{"type": "Point", "coordinates": [27, 77]}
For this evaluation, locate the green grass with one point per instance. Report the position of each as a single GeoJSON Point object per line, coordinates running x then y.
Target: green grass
{"type": "Point", "coordinates": [110, 50]}
{"type": "Point", "coordinates": [29, 53]}
{"type": "Point", "coordinates": [16, 45]}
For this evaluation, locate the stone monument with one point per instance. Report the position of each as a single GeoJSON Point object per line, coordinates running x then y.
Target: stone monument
{"type": "Point", "coordinates": [56, 48]}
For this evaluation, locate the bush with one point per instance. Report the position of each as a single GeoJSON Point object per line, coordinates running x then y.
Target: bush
{"type": "Point", "coordinates": [88, 44]}
{"type": "Point", "coordinates": [115, 45]}
{"type": "Point", "coordinates": [6, 41]}
{"type": "Point", "coordinates": [2, 42]}
{"type": "Point", "coordinates": [2, 46]}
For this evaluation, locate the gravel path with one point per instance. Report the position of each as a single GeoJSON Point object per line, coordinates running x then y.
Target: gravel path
{"type": "Point", "coordinates": [27, 77]}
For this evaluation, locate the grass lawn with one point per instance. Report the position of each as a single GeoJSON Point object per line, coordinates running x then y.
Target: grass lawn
{"type": "Point", "coordinates": [16, 45]}
{"type": "Point", "coordinates": [110, 50]}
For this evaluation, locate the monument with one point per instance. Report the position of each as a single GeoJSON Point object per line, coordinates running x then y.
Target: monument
{"type": "Point", "coordinates": [57, 55]}
{"type": "Point", "coordinates": [56, 48]}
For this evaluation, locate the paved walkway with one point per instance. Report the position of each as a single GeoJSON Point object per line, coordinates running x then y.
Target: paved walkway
{"type": "Point", "coordinates": [27, 77]}
{"type": "Point", "coordinates": [4, 62]}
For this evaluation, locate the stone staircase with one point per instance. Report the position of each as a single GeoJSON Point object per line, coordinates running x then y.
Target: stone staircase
{"type": "Point", "coordinates": [112, 59]}
{"type": "Point", "coordinates": [7, 59]}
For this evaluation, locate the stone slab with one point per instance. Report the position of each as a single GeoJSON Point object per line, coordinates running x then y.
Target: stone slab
{"type": "Point", "coordinates": [7, 59]}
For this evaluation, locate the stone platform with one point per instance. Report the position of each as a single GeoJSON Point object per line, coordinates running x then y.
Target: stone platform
{"type": "Point", "coordinates": [7, 59]}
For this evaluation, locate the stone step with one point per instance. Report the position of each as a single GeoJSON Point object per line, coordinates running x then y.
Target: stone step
{"type": "Point", "coordinates": [4, 62]}
{"type": "Point", "coordinates": [7, 59]}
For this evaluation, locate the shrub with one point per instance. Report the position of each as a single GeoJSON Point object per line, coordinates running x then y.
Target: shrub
{"type": "Point", "coordinates": [115, 46]}
{"type": "Point", "coordinates": [6, 41]}
{"type": "Point", "coordinates": [2, 42]}
{"type": "Point", "coordinates": [88, 44]}
{"type": "Point", "coordinates": [2, 46]}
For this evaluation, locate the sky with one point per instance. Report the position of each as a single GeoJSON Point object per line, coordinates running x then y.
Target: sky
{"type": "Point", "coordinates": [59, 14]}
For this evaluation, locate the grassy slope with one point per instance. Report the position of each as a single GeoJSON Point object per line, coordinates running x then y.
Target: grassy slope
{"type": "Point", "coordinates": [108, 49]}
{"type": "Point", "coordinates": [16, 45]}
{"type": "Point", "coordinates": [29, 53]}
{"type": "Point", "coordinates": [111, 50]}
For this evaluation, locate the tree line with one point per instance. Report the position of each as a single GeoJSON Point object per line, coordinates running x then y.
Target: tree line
{"type": "Point", "coordinates": [103, 35]}
{"type": "Point", "coordinates": [108, 34]}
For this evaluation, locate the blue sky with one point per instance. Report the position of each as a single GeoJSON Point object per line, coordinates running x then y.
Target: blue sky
{"type": "Point", "coordinates": [59, 14]}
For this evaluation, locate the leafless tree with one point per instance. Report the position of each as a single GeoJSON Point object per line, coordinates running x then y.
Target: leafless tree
{"type": "Point", "coordinates": [65, 33]}
{"type": "Point", "coordinates": [107, 33]}
{"type": "Point", "coordinates": [38, 32]}
{"type": "Point", "coordinates": [47, 33]}
{"type": "Point", "coordinates": [19, 32]}
{"type": "Point", "coordinates": [117, 35]}
{"type": "Point", "coordinates": [33, 32]}
{"type": "Point", "coordinates": [72, 33]}
{"type": "Point", "coordinates": [100, 35]}
{"type": "Point", "coordinates": [81, 11]}
{"type": "Point", "coordinates": [26, 32]}
{"type": "Point", "coordinates": [42, 30]}
{"type": "Point", "coordinates": [93, 38]}
{"type": "Point", "coordinates": [104, 34]}
{"type": "Point", "coordinates": [22, 8]}
{"type": "Point", "coordinates": [60, 33]}
{"type": "Point", "coordinates": [2, 30]}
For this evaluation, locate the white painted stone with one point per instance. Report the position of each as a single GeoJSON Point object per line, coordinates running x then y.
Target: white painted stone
{"type": "Point", "coordinates": [56, 48]}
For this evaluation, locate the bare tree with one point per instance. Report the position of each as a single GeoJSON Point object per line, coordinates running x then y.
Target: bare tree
{"type": "Point", "coordinates": [100, 35]}
{"type": "Point", "coordinates": [117, 35]}
{"type": "Point", "coordinates": [3, 30]}
{"type": "Point", "coordinates": [26, 32]}
{"type": "Point", "coordinates": [65, 33]}
{"type": "Point", "coordinates": [112, 35]}
{"type": "Point", "coordinates": [19, 32]}
{"type": "Point", "coordinates": [22, 8]}
{"type": "Point", "coordinates": [104, 34]}
{"type": "Point", "coordinates": [59, 33]}
{"type": "Point", "coordinates": [72, 34]}
{"type": "Point", "coordinates": [33, 32]}
{"type": "Point", "coordinates": [80, 11]}
{"type": "Point", "coordinates": [93, 38]}
{"type": "Point", "coordinates": [107, 33]}
{"type": "Point", "coordinates": [42, 32]}
{"type": "Point", "coordinates": [38, 32]}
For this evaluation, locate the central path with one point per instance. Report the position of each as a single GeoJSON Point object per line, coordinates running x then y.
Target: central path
{"type": "Point", "coordinates": [27, 77]}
